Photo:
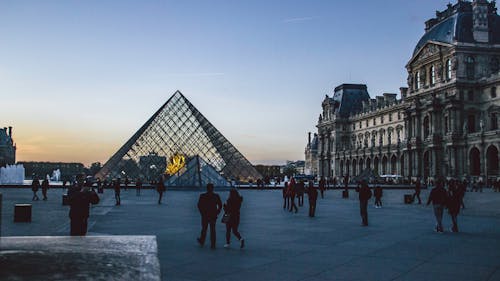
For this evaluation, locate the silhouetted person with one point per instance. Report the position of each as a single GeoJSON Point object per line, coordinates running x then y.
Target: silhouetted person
{"type": "Point", "coordinates": [126, 182]}
{"type": "Point", "coordinates": [45, 187]}
{"type": "Point", "coordinates": [35, 185]}
{"type": "Point", "coordinates": [160, 188]}
{"type": "Point", "coordinates": [209, 205]}
{"type": "Point", "coordinates": [438, 198]}
{"type": "Point", "coordinates": [454, 205]}
{"type": "Point", "coordinates": [364, 195]}
{"type": "Point", "coordinates": [292, 193]}
{"type": "Point", "coordinates": [286, 197]}
{"type": "Point", "coordinates": [99, 185]}
{"type": "Point", "coordinates": [80, 197]}
{"type": "Point", "coordinates": [322, 186]}
{"type": "Point", "coordinates": [418, 187]}
{"type": "Point", "coordinates": [232, 208]}
{"type": "Point", "coordinates": [378, 193]}
{"type": "Point", "coordinates": [300, 193]}
{"type": "Point", "coordinates": [138, 186]}
{"type": "Point", "coordinates": [312, 195]}
{"type": "Point", "coordinates": [117, 188]}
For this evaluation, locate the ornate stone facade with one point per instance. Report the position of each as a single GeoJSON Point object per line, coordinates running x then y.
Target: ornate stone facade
{"type": "Point", "coordinates": [7, 147]}
{"type": "Point", "coordinates": [446, 122]}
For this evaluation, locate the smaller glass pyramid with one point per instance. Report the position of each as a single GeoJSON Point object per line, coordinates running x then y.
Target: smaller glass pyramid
{"type": "Point", "coordinates": [177, 128]}
{"type": "Point", "coordinates": [197, 173]}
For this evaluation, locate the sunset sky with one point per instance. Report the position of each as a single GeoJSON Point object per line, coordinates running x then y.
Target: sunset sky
{"type": "Point", "coordinates": [78, 78]}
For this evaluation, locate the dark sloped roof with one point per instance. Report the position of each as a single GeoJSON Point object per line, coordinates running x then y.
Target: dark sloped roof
{"type": "Point", "coordinates": [458, 28]}
{"type": "Point", "coordinates": [349, 98]}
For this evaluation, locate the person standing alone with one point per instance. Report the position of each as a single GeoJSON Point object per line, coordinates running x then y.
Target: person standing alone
{"type": "Point", "coordinates": [209, 205]}
{"type": "Point", "coordinates": [160, 188]}
{"type": "Point", "coordinates": [312, 195]}
{"type": "Point", "coordinates": [45, 187]}
{"type": "Point", "coordinates": [35, 184]}
{"type": "Point", "coordinates": [364, 195]}
{"type": "Point", "coordinates": [117, 188]}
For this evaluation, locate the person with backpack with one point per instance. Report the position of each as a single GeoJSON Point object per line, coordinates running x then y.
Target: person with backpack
{"type": "Point", "coordinates": [364, 195]}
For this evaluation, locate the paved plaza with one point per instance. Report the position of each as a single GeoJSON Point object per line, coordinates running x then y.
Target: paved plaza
{"type": "Point", "coordinates": [399, 244]}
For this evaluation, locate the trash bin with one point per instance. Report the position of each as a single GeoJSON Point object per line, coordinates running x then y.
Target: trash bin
{"type": "Point", "coordinates": [408, 198]}
{"type": "Point", "coordinates": [22, 213]}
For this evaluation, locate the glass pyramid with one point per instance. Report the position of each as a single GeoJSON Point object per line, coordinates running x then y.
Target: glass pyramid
{"type": "Point", "coordinates": [177, 128]}
{"type": "Point", "coordinates": [197, 173]}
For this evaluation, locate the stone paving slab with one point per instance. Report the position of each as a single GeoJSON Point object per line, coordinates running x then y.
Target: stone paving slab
{"type": "Point", "coordinates": [399, 244]}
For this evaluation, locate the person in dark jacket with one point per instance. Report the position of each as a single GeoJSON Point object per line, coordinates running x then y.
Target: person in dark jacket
{"type": "Point", "coordinates": [160, 188]}
{"type": "Point", "coordinates": [418, 187]}
{"type": "Point", "coordinates": [364, 195]}
{"type": "Point", "coordinates": [117, 188]}
{"type": "Point", "coordinates": [453, 204]}
{"type": "Point", "coordinates": [80, 197]}
{"type": "Point", "coordinates": [300, 188]}
{"type": "Point", "coordinates": [232, 208]}
{"type": "Point", "coordinates": [322, 186]}
{"type": "Point", "coordinates": [378, 193]}
{"type": "Point", "coordinates": [35, 185]}
{"type": "Point", "coordinates": [438, 198]}
{"type": "Point", "coordinates": [312, 195]}
{"type": "Point", "coordinates": [209, 205]}
{"type": "Point", "coordinates": [45, 187]}
{"type": "Point", "coordinates": [138, 186]}
{"type": "Point", "coordinates": [292, 186]}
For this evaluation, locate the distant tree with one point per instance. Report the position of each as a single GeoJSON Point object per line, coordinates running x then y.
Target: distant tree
{"type": "Point", "coordinates": [289, 171]}
{"type": "Point", "coordinates": [94, 168]}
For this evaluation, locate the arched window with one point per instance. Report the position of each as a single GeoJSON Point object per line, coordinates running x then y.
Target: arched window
{"type": "Point", "coordinates": [426, 127]}
{"type": "Point", "coordinates": [448, 69]}
{"type": "Point", "coordinates": [433, 75]}
{"type": "Point", "coordinates": [469, 65]}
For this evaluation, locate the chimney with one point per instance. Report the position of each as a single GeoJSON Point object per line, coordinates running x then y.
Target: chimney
{"type": "Point", "coordinates": [10, 131]}
{"type": "Point", "coordinates": [480, 12]}
{"type": "Point", "coordinates": [309, 142]}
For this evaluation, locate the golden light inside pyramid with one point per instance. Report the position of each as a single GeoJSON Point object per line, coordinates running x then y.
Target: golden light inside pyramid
{"type": "Point", "coordinates": [176, 162]}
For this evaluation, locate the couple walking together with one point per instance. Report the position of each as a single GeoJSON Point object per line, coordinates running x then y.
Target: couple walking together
{"type": "Point", "coordinates": [210, 206]}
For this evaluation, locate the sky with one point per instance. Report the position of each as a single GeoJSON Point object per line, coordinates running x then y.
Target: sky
{"type": "Point", "coordinates": [78, 78]}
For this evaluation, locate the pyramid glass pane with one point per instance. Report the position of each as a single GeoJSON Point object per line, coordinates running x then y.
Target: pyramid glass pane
{"type": "Point", "coordinates": [177, 128]}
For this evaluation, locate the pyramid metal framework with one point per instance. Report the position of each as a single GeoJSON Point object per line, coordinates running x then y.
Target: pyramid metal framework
{"type": "Point", "coordinates": [177, 128]}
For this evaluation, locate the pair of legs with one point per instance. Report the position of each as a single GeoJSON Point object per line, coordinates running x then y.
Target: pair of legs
{"type": "Point", "coordinates": [204, 225]}
{"type": "Point", "coordinates": [35, 196]}
{"type": "Point", "coordinates": [417, 194]}
{"type": "Point", "coordinates": [438, 213]}
{"type": "Point", "coordinates": [117, 198]}
{"type": "Point", "coordinates": [378, 202]}
{"type": "Point", "coordinates": [78, 226]}
{"type": "Point", "coordinates": [300, 199]}
{"type": "Point", "coordinates": [292, 204]}
{"type": "Point", "coordinates": [454, 228]}
{"type": "Point", "coordinates": [312, 208]}
{"type": "Point", "coordinates": [44, 193]}
{"type": "Point", "coordinates": [286, 202]}
{"type": "Point", "coordinates": [363, 208]}
{"type": "Point", "coordinates": [159, 198]}
{"type": "Point", "coordinates": [233, 226]}
{"type": "Point", "coordinates": [322, 191]}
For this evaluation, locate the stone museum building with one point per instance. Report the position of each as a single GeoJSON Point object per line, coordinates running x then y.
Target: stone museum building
{"type": "Point", "coordinates": [446, 120]}
{"type": "Point", "coordinates": [7, 147]}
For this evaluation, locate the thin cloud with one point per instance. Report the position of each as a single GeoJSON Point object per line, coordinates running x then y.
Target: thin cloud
{"type": "Point", "coordinates": [297, 20]}
{"type": "Point", "coordinates": [196, 74]}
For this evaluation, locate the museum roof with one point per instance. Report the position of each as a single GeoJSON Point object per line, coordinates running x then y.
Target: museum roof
{"type": "Point", "coordinates": [455, 25]}
{"type": "Point", "coordinates": [349, 98]}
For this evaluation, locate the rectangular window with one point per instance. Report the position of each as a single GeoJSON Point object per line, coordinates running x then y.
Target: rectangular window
{"type": "Point", "coordinates": [382, 119]}
{"type": "Point", "coordinates": [471, 123]}
{"type": "Point", "coordinates": [433, 75]}
{"type": "Point", "coordinates": [360, 125]}
{"type": "Point", "coordinates": [390, 117]}
{"type": "Point", "coordinates": [493, 121]}
{"type": "Point", "coordinates": [374, 122]}
{"type": "Point", "coordinates": [493, 92]}
{"type": "Point", "coordinates": [470, 96]}
{"type": "Point", "coordinates": [366, 121]}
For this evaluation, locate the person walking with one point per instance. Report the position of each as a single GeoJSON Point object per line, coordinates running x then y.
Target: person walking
{"type": "Point", "coordinates": [453, 204]}
{"type": "Point", "coordinates": [292, 194]}
{"type": "Point", "coordinates": [138, 186]}
{"type": "Point", "coordinates": [300, 193]}
{"type": "Point", "coordinates": [378, 193]}
{"type": "Point", "coordinates": [418, 187]}
{"type": "Point", "coordinates": [312, 195]}
{"type": "Point", "coordinates": [127, 182]}
{"type": "Point", "coordinates": [286, 197]}
{"type": "Point", "coordinates": [45, 187]}
{"type": "Point", "coordinates": [35, 185]}
{"type": "Point", "coordinates": [117, 188]}
{"type": "Point", "coordinates": [80, 197]}
{"type": "Point", "coordinates": [364, 195]}
{"type": "Point", "coordinates": [438, 198]}
{"type": "Point", "coordinates": [322, 186]}
{"type": "Point", "coordinates": [232, 209]}
{"type": "Point", "coordinates": [209, 205]}
{"type": "Point", "coordinates": [160, 188]}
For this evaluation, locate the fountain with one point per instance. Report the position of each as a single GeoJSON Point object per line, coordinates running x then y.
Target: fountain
{"type": "Point", "coordinates": [12, 174]}
{"type": "Point", "coordinates": [56, 175]}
